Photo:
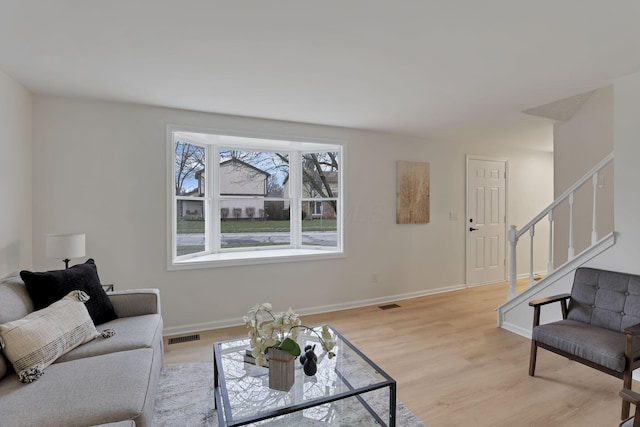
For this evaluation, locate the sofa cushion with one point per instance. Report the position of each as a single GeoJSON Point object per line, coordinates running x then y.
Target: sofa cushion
{"type": "Point", "coordinates": [35, 341]}
{"type": "Point", "coordinates": [96, 390]}
{"type": "Point", "coordinates": [47, 287]}
{"type": "Point", "coordinates": [132, 333]}
{"type": "Point", "coordinates": [15, 303]}
{"type": "Point", "coordinates": [599, 345]}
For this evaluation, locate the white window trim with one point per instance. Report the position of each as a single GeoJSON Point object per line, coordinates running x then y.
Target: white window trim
{"type": "Point", "coordinates": [232, 257]}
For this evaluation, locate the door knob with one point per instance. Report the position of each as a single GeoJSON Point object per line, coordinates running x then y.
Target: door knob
{"type": "Point", "coordinates": [472, 229]}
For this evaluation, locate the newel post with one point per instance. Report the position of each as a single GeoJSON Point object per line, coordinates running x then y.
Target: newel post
{"type": "Point", "coordinates": [513, 241]}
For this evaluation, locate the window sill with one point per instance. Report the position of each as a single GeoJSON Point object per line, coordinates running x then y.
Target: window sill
{"type": "Point", "coordinates": [228, 259]}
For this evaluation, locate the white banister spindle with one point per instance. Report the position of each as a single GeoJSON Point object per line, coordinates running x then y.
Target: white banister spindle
{"type": "Point", "coordinates": [532, 232]}
{"type": "Point", "coordinates": [550, 258]}
{"type": "Point", "coordinates": [571, 251]}
{"type": "Point", "coordinates": [514, 234]}
{"type": "Point", "coordinates": [513, 276]}
{"type": "Point", "coordinates": [594, 226]}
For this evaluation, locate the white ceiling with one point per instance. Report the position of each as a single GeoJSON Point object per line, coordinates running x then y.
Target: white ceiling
{"type": "Point", "coordinates": [450, 70]}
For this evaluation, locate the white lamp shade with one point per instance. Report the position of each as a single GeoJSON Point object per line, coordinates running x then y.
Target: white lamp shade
{"type": "Point", "coordinates": [65, 245]}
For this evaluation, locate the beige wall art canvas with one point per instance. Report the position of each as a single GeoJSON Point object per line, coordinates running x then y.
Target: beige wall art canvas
{"type": "Point", "coordinates": [412, 193]}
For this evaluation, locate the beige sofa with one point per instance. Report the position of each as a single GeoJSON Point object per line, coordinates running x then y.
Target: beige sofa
{"type": "Point", "coordinates": [101, 382]}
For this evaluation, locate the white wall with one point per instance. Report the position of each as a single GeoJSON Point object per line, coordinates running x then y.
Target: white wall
{"type": "Point", "coordinates": [531, 184]}
{"type": "Point", "coordinates": [625, 254]}
{"type": "Point", "coordinates": [579, 144]}
{"type": "Point", "coordinates": [15, 176]}
{"type": "Point", "coordinates": [100, 168]}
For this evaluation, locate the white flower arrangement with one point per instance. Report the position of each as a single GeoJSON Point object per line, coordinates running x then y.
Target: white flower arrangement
{"type": "Point", "coordinates": [280, 330]}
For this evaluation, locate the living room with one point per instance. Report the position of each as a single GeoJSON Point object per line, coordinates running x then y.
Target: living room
{"type": "Point", "coordinates": [97, 164]}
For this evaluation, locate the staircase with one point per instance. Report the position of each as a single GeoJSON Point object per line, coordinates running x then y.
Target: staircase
{"type": "Point", "coordinates": [515, 314]}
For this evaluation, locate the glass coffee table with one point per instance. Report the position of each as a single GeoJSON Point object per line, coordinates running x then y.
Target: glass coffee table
{"type": "Point", "coordinates": [347, 390]}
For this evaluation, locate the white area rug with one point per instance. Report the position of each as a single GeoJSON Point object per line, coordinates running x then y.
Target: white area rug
{"type": "Point", "coordinates": [185, 399]}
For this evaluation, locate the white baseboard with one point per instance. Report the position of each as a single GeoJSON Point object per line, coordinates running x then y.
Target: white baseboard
{"type": "Point", "coordinates": [517, 329]}
{"type": "Point", "coordinates": [540, 273]}
{"type": "Point", "coordinates": [226, 323]}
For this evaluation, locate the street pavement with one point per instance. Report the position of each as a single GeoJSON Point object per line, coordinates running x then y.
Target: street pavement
{"type": "Point", "coordinates": [316, 238]}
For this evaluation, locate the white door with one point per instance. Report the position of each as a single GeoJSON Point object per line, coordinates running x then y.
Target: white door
{"type": "Point", "coordinates": [486, 220]}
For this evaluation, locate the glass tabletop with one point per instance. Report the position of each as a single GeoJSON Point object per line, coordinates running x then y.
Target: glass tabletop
{"type": "Point", "coordinates": [346, 386]}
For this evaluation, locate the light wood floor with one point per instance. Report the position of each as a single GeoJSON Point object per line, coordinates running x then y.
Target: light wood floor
{"type": "Point", "coordinates": [455, 367]}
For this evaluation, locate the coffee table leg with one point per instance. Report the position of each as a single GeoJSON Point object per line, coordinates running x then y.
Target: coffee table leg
{"type": "Point", "coordinates": [392, 405]}
{"type": "Point", "coordinates": [215, 378]}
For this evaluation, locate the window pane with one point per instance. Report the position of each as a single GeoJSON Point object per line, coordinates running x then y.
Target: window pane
{"type": "Point", "coordinates": [253, 222]}
{"type": "Point", "coordinates": [253, 173]}
{"type": "Point", "coordinates": [319, 226]}
{"type": "Point", "coordinates": [189, 169]}
{"type": "Point", "coordinates": [190, 227]}
{"type": "Point", "coordinates": [320, 176]}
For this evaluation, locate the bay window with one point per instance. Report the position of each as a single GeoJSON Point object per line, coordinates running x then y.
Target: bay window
{"type": "Point", "coordinates": [238, 199]}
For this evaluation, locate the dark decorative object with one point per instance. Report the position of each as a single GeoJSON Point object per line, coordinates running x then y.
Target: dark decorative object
{"type": "Point", "coordinates": [45, 288]}
{"type": "Point", "coordinates": [309, 361]}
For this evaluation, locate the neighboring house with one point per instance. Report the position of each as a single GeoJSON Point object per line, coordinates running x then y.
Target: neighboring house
{"type": "Point", "coordinates": [245, 185]}
{"type": "Point", "coordinates": [193, 209]}
{"type": "Point", "coordinates": [317, 209]}
{"type": "Point", "coordinates": [324, 210]}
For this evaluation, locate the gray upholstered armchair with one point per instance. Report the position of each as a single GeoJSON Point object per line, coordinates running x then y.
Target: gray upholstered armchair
{"type": "Point", "coordinates": [600, 326]}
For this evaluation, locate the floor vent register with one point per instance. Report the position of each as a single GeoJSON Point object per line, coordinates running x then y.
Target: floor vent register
{"type": "Point", "coordinates": [388, 306]}
{"type": "Point", "coordinates": [185, 338]}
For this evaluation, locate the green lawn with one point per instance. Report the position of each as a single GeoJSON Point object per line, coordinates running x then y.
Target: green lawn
{"type": "Point", "coordinates": [320, 225]}
{"type": "Point", "coordinates": [188, 227]}
{"type": "Point", "coordinates": [231, 226]}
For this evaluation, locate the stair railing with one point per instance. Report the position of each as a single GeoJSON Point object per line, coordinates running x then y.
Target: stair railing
{"type": "Point", "coordinates": [515, 234]}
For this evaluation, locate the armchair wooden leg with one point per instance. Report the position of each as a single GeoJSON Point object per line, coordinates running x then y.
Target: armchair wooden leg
{"type": "Point", "coordinates": [534, 343]}
{"type": "Point", "coordinates": [532, 358]}
{"type": "Point", "coordinates": [632, 397]}
{"type": "Point", "coordinates": [626, 406]}
{"type": "Point", "coordinates": [625, 410]}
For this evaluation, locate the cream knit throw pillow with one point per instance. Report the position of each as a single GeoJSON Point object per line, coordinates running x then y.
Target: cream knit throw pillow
{"type": "Point", "coordinates": [38, 339]}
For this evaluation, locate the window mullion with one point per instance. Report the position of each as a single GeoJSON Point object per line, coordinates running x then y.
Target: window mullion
{"type": "Point", "coordinates": [340, 201]}
{"type": "Point", "coordinates": [295, 213]}
{"type": "Point", "coordinates": [174, 202]}
{"type": "Point", "coordinates": [214, 196]}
